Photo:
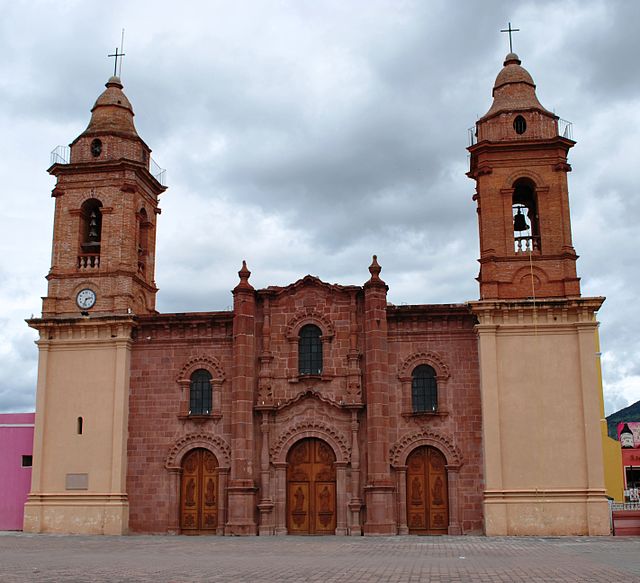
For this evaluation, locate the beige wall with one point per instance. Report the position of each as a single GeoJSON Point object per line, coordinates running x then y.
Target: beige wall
{"type": "Point", "coordinates": [541, 400]}
{"type": "Point", "coordinates": [83, 372]}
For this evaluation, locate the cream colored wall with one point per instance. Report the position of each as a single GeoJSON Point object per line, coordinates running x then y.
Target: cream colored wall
{"type": "Point", "coordinates": [541, 412]}
{"type": "Point", "coordinates": [83, 372]}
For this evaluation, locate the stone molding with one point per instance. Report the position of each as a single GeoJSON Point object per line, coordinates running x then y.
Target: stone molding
{"type": "Point", "coordinates": [299, 431]}
{"type": "Point", "coordinates": [208, 363]}
{"type": "Point", "coordinates": [405, 445]}
{"type": "Point", "coordinates": [433, 359]}
{"type": "Point", "coordinates": [213, 443]}
{"type": "Point", "coordinates": [309, 316]}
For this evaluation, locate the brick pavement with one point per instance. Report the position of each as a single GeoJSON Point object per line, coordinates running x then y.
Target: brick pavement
{"type": "Point", "coordinates": [179, 559]}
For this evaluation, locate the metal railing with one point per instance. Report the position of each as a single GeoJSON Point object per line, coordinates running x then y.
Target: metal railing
{"type": "Point", "coordinates": [565, 130]}
{"type": "Point", "coordinates": [62, 155]}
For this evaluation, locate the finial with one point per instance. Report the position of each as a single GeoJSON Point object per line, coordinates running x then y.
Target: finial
{"type": "Point", "coordinates": [244, 275]}
{"type": "Point", "coordinates": [374, 270]}
{"type": "Point", "coordinates": [510, 30]}
{"type": "Point", "coordinates": [118, 70]}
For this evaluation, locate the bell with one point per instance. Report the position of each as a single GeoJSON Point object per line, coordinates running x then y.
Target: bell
{"type": "Point", "coordinates": [519, 222]}
{"type": "Point", "coordinates": [93, 227]}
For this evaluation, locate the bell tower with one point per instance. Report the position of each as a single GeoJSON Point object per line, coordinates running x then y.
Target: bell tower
{"type": "Point", "coordinates": [537, 337]}
{"type": "Point", "coordinates": [103, 256]}
{"type": "Point", "coordinates": [519, 163]}
{"type": "Point", "coordinates": [101, 279]}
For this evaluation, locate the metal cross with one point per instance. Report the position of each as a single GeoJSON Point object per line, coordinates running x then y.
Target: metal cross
{"type": "Point", "coordinates": [510, 30]}
{"type": "Point", "coordinates": [115, 65]}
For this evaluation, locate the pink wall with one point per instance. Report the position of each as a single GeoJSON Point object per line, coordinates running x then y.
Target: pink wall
{"type": "Point", "coordinates": [16, 440]}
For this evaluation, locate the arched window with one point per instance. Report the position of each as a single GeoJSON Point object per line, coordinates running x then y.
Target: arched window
{"type": "Point", "coordinates": [143, 239]}
{"type": "Point", "coordinates": [90, 233]}
{"type": "Point", "coordinates": [310, 350]}
{"type": "Point", "coordinates": [520, 125]}
{"type": "Point", "coordinates": [424, 389]}
{"type": "Point", "coordinates": [200, 393]}
{"type": "Point", "coordinates": [526, 225]}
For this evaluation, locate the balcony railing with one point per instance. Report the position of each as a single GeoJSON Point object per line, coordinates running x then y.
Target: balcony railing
{"type": "Point", "coordinates": [526, 244]}
{"type": "Point", "coordinates": [88, 261]}
{"type": "Point", "coordinates": [565, 130]}
{"type": "Point", "coordinates": [62, 155]}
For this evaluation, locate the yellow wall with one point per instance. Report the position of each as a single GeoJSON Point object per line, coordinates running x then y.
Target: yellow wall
{"type": "Point", "coordinates": [614, 480]}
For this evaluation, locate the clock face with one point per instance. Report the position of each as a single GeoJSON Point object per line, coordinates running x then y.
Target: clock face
{"type": "Point", "coordinates": [86, 298]}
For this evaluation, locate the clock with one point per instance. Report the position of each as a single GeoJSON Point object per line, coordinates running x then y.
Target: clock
{"type": "Point", "coordinates": [86, 298]}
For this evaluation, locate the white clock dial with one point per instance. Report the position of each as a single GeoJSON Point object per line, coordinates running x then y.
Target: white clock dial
{"type": "Point", "coordinates": [86, 298]}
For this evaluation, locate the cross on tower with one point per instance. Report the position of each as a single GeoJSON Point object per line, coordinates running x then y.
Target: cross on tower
{"type": "Point", "coordinates": [510, 30]}
{"type": "Point", "coordinates": [115, 64]}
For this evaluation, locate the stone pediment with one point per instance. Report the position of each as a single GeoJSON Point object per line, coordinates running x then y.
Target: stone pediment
{"type": "Point", "coordinates": [308, 281]}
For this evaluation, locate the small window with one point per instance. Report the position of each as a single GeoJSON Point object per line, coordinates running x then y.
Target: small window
{"type": "Point", "coordinates": [520, 125]}
{"type": "Point", "coordinates": [200, 393]}
{"type": "Point", "coordinates": [80, 425]}
{"type": "Point", "coordinates": [27, 461]}
{"type": "Point", "coordinates": [310, 350]}
{"type": "Point", "coordinates": [424, 389]}
{"type": "Point", "coordinates": [96, 148]}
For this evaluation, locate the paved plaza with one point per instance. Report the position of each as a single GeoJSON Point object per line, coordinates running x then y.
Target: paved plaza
{"type": "Point", "coordinates": [158, 559]}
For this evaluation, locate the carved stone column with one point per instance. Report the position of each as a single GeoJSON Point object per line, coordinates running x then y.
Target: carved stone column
{"type": "Point", "coordinates": [401, 480]}
{"type": "Point", "coordinates": [341, 498]}
{"type": "Point", "coordinates": [173, 501]}
{"type": "Point", "coordinates": [223, 479]}
{"type": "Point", "coordinates": [281, 499]}
{"type": "Point", "coordinates": [355, 504]}
{"type": "Point", "coordinates": [265, 505]}
{"type": "Point", "coordinates": [454, 514]}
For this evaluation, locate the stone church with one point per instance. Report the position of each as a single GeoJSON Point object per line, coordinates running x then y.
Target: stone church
{"type": "Point", "coordinates": [317, 408]}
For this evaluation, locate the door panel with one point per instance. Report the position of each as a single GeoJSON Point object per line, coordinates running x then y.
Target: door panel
{"type": "Point", "coordinates": [311, 488]}
{"type": "Point", "coordinates": [427, 493]}
{"type": "Point", "coordinates": [199, 493]}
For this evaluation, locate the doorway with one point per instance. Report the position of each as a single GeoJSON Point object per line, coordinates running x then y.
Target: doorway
{"type": "Point", "coordinates": [427, 492]}
{"type": "Point", "coordinates": [199, 493]}
{"type": "Point", "coordinates": [311, 488]}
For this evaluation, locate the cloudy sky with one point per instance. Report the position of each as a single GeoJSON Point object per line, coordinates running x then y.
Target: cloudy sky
{"type": "Point", "coordinates": [306, 135]}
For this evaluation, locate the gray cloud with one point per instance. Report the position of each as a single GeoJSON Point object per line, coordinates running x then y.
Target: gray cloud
{"type": "Point", "coordinates": [305, 136]}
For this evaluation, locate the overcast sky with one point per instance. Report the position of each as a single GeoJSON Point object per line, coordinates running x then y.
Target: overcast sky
{"type": "Point", "coordinates": [306, 135]}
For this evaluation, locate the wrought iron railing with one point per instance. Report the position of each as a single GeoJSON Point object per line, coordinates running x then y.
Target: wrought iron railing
{"type": "Point", "coordinates": [565, 130]}
{"type": "Point", "coordinates": [62, 155]}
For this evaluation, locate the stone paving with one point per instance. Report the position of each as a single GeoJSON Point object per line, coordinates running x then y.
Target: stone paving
{"type": "Point", "coordinates": [180, 559]}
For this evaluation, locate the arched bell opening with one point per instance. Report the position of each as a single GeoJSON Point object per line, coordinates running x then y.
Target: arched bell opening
{"type": "Point", "coordinates": [526, 223]}
{"type": "Point", "coordinates": [90, 233]}
{"type": "Point", "coordinates": [427, 492]}
{"type": "Point", "coordinates": [311, 488]}
{"type": "Point", "coordinates": [199, 493]}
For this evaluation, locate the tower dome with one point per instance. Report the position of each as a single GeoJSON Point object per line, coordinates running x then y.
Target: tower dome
{"type": "Point", "coordinates": [514, 90]}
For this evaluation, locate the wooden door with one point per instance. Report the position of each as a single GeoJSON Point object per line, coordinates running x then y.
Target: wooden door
{"type": "Point", "coordinates": [199, 493]}
{"type": "Point", "coordinates": [427, 492]}
{"type": "Point", "coordinates": [311, 488]}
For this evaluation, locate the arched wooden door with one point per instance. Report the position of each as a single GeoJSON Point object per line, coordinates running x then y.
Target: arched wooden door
{"type": "Point", "coordinates": [311, 488]}
{"type": "Point", "coordinates": [427, 492]}
{"type": "Point", "coordinates": [199, 493]}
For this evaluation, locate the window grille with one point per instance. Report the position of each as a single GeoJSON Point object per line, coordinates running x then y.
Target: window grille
{"type": "Point", "coordinates": [200, 393]}
{"type": "Point", "coordinates": [310, 350]}
{"type": "Point", "coordinates": [424, 389]}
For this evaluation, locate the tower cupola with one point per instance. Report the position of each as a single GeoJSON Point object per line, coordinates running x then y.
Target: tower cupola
{"type": "Point", "coordinates": [111, 133]}
{"type": "Point", "coordinates": [516, 112]}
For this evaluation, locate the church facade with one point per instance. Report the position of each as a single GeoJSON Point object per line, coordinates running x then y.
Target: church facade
{"type": "Point", "coordinates": [319, 408]}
